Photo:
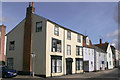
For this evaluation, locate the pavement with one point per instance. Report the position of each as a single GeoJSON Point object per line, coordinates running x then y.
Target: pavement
{"type": "Point", "coordinates": [101, 75]}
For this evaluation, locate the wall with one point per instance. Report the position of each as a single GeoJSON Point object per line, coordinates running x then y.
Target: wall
{"type": "Point", "coordinates": [109, 51]}
{"type": "Point", "coordinates": [39, 46]}
{"type": "Point", "coordinates": [17, 35]}
{"type": "Point", "coordinates": [88, 57]}
{"type": "Point", "coordinates": [63, 37]}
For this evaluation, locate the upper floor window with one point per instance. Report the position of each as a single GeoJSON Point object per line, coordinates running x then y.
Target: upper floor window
{"type": "Point", "coordinates": [68, 35]}
{"type": "Point", "coordinates": [68, 50]}
{"type": "Point", "coordinates": [38, 26]}
{"type": "Point", "coordinates": [56, 30]}
{"type": "Point", "coordinates": [56, 45]}
{"type": "Point", "coordinates": [89, 51]}
{"type": "Point", "coordinates": [78, 38]}
{"type": "Point", "coordinates": [12, 45]}
{"type": "Point", "coordinates": [78, 50]}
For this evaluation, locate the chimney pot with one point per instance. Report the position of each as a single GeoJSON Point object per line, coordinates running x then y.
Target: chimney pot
{"type": "Point", "coordinates": [100, 41]}
{"type": "Point", "coordinates": [29, 4]}
{"type": "Point", "coordinates": [32, 4]}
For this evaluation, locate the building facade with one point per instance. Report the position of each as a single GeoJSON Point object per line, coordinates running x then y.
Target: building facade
{"type": "Point", "coordinates": [107, 48]}
{"type": "Point", "coordinates": [100, 59]}
{"type": "Point", "coordinates": [88, 54]}
{"type": "Point", "coordinates": [2, 42]}
{"type": "Point", "coordinates": [117, 53]}
{"type": "Point", "coordinates": [58, 50]}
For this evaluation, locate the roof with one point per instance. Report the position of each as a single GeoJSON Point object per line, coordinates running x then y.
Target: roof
{"type": "Point", "coordinates": [84, 42]}
{"type": "Point", "coordinates": [99, 49]}
{"type": "Point", "coordinates": [59, 25]}
{"type": "Point", "coordinates": [103, 46]}
{"type": "Point", "coordinates": [53, 23]}
{"type": "Point", "coordinates": [113, 49]}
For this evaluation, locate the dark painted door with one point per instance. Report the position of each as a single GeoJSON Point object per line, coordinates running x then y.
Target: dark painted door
{"type": "Point", "coordinates": [68, 67]}
{"type": "Point", "coordinates": [107, 65]}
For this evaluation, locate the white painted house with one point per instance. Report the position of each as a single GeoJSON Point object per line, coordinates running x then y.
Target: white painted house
{"type": "Point", "coordinates": [106, 47]}
{"type": "Point", "coordinates": [100, 59]}
{"type": "Point", "coordinates": [88, 54]}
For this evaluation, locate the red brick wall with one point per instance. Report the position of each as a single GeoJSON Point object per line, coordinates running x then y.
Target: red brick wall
{"type": "Point", "coordinates": [2, 47]}
{"type": "Point", "coordinates": [28, 41]}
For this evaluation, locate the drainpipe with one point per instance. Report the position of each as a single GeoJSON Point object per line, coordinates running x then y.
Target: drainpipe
{"type": "Point", "coordinates": [64, 52]}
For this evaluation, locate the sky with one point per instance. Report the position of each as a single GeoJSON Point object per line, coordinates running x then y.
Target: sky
{"type": "Point", "coordinates": [95, 19]}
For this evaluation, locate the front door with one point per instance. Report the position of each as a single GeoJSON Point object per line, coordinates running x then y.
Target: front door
{"type": "Point", "coordinates": [69, 66]}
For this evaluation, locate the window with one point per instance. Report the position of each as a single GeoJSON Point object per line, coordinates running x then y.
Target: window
{"type": "Point", "coordinates": [68, 35]}
{"type": "Point", "coordinates": [56, 64]}
{"type": "Point", "coordinates": [78, 50]}
{"type": "Point", "coordinates": [91, 63]}
{"type": "Point", "coordinates": [87, 41]}
{"type": "Point", "coordinates": [38, 26]}
{"type": "Point", "coordinates": [79, 38]}
{"type": "Point", "coordinates": [109, 54]}
{"type": "Point", "coordinates": [56, 45]}
{"type": "Point", "coordinates": [110, 62]}
{"type": "Point", "coordinates": [79, 64]}
{"type": "Point", "coordinates": [10, 63]}
{"type": "Point", "coordinates": [12, 45]}
{"type": "Point", "coordinates": [92, 52]}
{"type": "Point", "coordinates": [56, 30]}
{"type": "Point", "coordinates": [99, 54]}
{"type": "Point", "coordinates": [89, 51]}
{"type": "Point", "coordinates": [68, 50]}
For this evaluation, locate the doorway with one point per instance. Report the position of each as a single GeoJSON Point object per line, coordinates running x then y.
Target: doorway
{"type": "Point", "coordinates": [69, 65]}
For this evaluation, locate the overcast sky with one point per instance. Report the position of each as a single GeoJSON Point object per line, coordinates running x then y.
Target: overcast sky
{"type": "Point", "coordinates": [95, 19]}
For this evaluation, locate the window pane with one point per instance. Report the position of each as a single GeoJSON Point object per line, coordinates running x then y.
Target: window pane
{"type": "Point", "coordinates": [68, 35]}
{"type": "Point", "coordinates": [68, 49]}
{"type": "Point", "coordinates": [38, 26]}
{"type": "Point", "coordinates": [59, 64]}
{"type": "Point", "coordinates": [10, 63]}
{"type": "Point", "coordinates": [56, 30]}
{"type": "Point", "coordinates": [53, 65]}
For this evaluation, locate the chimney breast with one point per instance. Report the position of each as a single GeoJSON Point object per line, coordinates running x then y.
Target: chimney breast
{"type": "Point", "coordinates": [32, 4]}
{"type": "Point", "coordinates": [100, 41]}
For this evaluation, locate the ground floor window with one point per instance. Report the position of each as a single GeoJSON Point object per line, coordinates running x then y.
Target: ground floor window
{"type": "Point", "coordinates": [10, 63]}
{"type": "Point", "coordinates": [79, 64]}
{"type": "Point", "coordinates": [56, 64]}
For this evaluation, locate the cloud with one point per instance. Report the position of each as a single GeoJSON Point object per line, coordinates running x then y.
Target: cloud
{"type": "Point", "coordinates": [3, 19]}
{"type": "Point", "coordinates": [115, 43]}
{"type": "Point", "coordinates": [112, 35]}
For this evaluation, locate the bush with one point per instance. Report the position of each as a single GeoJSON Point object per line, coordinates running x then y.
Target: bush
{"type": "Point", "coordinates": [2, 62]}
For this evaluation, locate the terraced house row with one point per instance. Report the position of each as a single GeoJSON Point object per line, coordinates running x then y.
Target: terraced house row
{"type": "Point", "coordinates": [59, 50]}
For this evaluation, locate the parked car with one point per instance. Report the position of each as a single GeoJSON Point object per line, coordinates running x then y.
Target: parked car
{"type": "Point", "coordinates": [6, 72]}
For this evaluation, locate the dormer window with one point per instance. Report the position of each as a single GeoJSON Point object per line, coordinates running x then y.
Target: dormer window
{"type": "Point", "coordinates": [87, 41]}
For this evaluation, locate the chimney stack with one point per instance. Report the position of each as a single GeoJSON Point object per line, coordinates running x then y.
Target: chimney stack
{"type": "Point", "coordinates": [27, 50]}
{"type": "Point", "coordinates": [100, 41]}
{"type": "Point", "coordinates": [32, 4]}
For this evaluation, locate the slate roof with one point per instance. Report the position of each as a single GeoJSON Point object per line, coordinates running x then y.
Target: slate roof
{"type": "Point", "coordinates": [99, 49]}
{"type": "Point", "coordinates": [103, 46]}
